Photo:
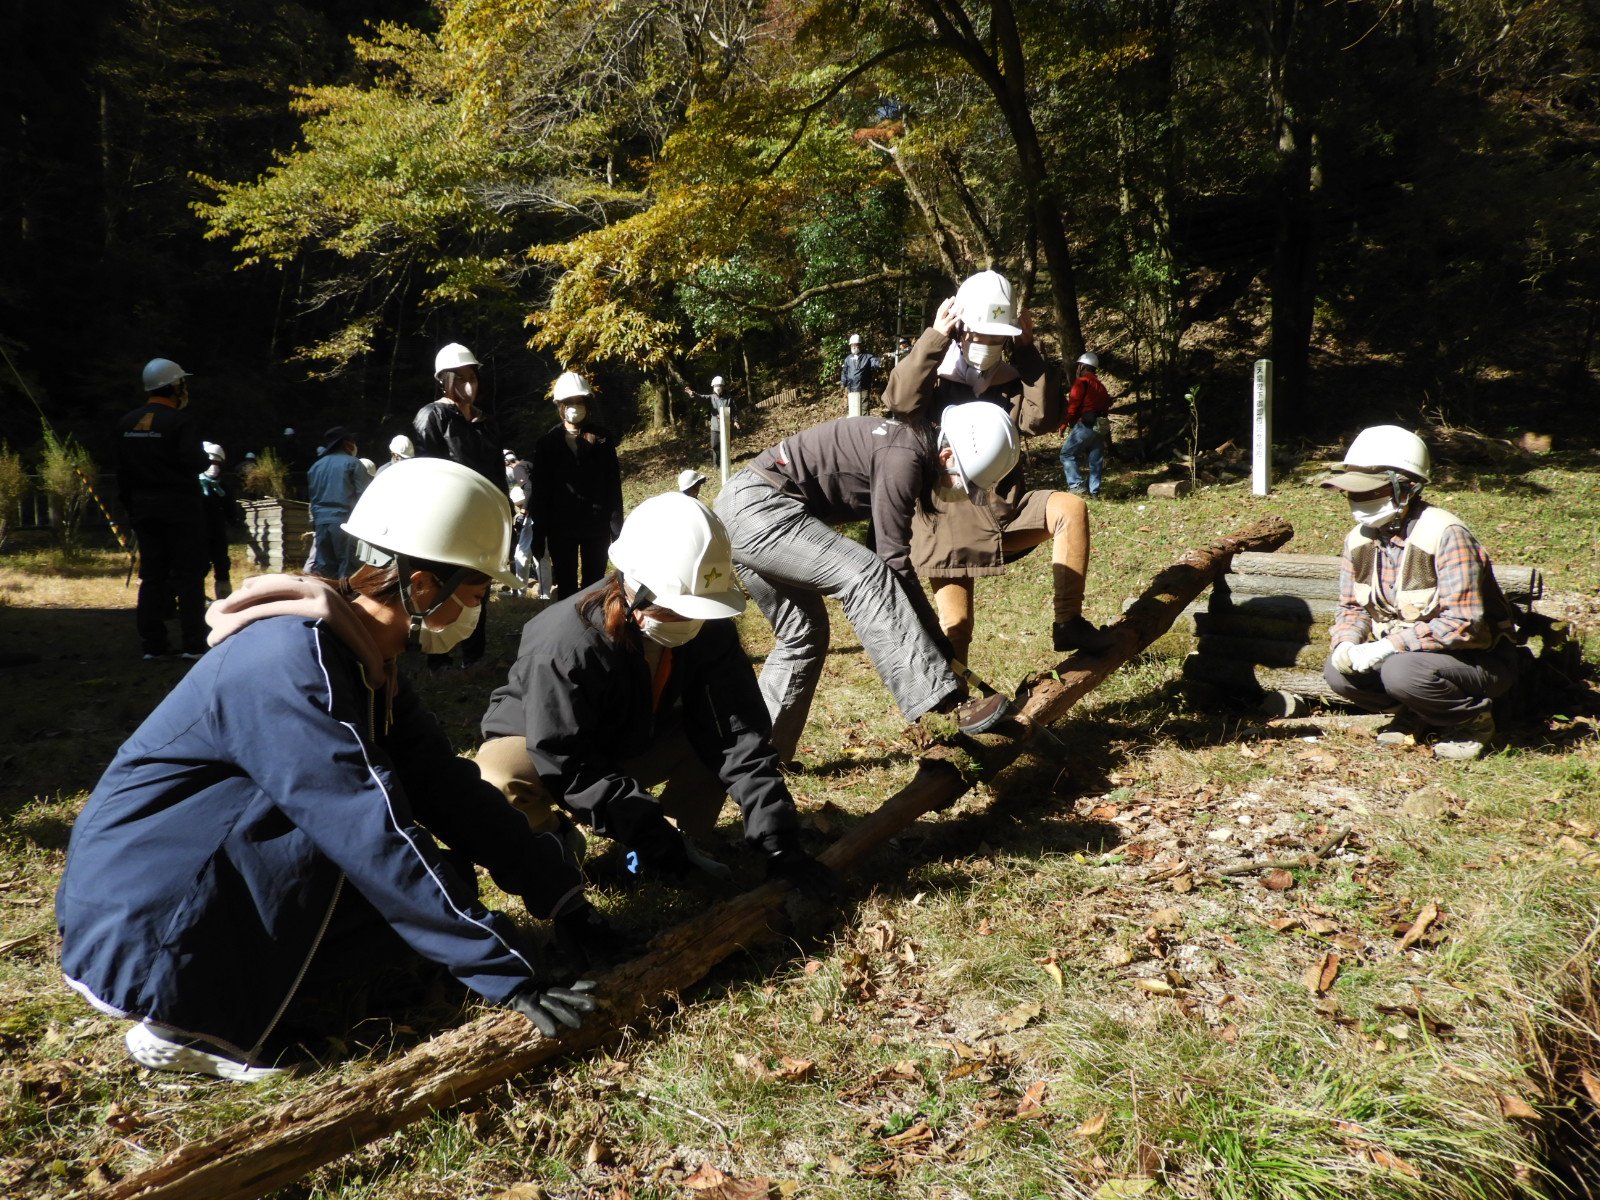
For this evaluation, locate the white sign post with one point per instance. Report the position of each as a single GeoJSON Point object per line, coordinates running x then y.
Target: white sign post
{"type": "Point", "coordinates": [1261, 426]}
{"type": "Point", "coordinates": [724, 431]}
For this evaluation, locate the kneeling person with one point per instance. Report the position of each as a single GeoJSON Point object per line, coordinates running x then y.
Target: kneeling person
{"type": "Point", "coordinates": [1423, 627]}
{"type": "Point", "coordinates": [640, 680]}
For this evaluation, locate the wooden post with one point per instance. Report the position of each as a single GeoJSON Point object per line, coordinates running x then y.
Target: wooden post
{"type": "Point", "coordinates": [278, 1145]}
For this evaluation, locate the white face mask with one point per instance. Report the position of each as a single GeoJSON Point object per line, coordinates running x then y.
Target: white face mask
{"type": "Point", "coordinates": [1374, 514]}
{"type": "Point", "coordinates": [668, 633]}
{"type": "Point", "coordinates": [442, 641]}
{"type": "Point", "coordinates": [951, 495]}
{"type": "Point", "coordinates": [983, 355]}
{"type": "Point", "coordinates": [573, 414]}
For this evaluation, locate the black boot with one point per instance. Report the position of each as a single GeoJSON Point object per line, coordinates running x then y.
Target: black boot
{"type": "Point", "coordinates": [1078, 634]}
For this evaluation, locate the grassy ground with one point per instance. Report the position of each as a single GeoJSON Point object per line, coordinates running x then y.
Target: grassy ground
{"type": "Point", "coordinates": [1055, 989]}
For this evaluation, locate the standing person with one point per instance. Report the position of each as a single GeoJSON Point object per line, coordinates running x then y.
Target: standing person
{"type": "Point", "coordinates": [334, 483]}
{"type": "Point", "coordinates": [721, 410]}
{"type": "Point", "coordinates": [400, 449]}
{"type": "Point", "coordinates": [577, 490]}
{"type": "Point", "coordinates": [268, 833]}
{"type": "Point", "coordinates": [902, 347]}
{"type": "Point", "coordinates": [781, 511]}
{"type": "Point", "coordinates": [1423, 629]}
{"type": "Point", "coordinates": [856, 375]}
{"type": "Point", "coordinates": [218, 504]}
{"type": "Point", "coordinates": [159, 455]}
{"type": "Point", "coordinates": [452, 427]}
{"type": "Point", "coordinates": [961, 357]}
{"type": "Point", "coordinates": [1088, 422]}
{"type": "Point", "coordinates": [690, 482]}
{"type": "Point", "coordinates": [640, 680]}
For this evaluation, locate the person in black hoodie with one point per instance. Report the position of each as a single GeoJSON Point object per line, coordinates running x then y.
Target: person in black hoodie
{"type": "Point", "coordinates": [577, 491]}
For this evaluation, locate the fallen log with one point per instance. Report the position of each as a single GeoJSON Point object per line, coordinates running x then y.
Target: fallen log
{"type": "Point", "coordinates": [279, 1145]}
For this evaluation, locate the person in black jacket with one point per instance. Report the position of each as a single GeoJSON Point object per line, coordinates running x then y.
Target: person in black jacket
{"type": "Point", "coordinates": [159, 460]}
{"type": "Point", "coordinates": [577, 491]}
{"type": "Point", "coordinates": [452, 428]}
{"type": "Point", "coordinates": [638, 680]}
{"type": "Point", "coordinates": [269, 831]}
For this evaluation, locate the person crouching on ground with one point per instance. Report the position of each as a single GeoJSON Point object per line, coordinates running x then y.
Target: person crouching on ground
{"type": "Point", "coordinates": [1423, 629]}
{"type": "Point", "coordinates": [268, 833]}
{"type": "Point", "coordinates": [640, 680]}
{"type": "Point", "coordinates": [960, 358]}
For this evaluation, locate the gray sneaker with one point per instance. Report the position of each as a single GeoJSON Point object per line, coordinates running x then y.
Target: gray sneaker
{"type": "Point", "coordinates": [1467, 741]}
{"type": "Point", "coordinates": [163, 1049]}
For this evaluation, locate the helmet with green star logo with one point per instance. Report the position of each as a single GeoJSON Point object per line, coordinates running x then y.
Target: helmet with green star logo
{"type": "Point", "coordinates": [678, 549]}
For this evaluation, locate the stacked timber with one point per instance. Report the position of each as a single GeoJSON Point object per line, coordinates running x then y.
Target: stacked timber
{"type": "Point", "coordinates": [1265, 627]}
{"type": "Point", "coordinates": [278, 532]}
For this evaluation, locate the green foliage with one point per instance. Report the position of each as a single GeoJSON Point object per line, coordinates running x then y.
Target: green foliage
{"type": "Point", "coordinates": [68, 473]}
{"type": "Point", "coordinates": [267, 476]}
{"type": "Point", "coordinates": [13, 487]}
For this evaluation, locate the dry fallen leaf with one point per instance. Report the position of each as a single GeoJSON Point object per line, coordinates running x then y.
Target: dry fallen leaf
{"type": "Point", "coordinates": [1283, 924]}
{"type": "Point", "coordinates": [1092, 1126]}
{"type": "Point", "coordinates": [1591, 1084]}
{"type": "Point", "coordinates": [1425, 918]}
{"type": "Point", "coordinates": [1159, 987]}
{"type": "Point", "coordinates": [598, 1152]}
{"type": "Point", "coordinates": [1018, 1017]}
{"type": "Point", "coordinates": [910, 1137]}
{"type": "Point", "coordinates": [1053, 970]}
{"type": "Point", "coordinates": [1514, 1108]}
{"type": "Point", "coordinates": [1277, 880]}
{"type": "Point", "coordinates": [521, 1191]}
{"type": "Point", "coordinates": [1390, 1162]}
{"type": "Point", "coordinates": [1166, 918]}
{"type": "Point", "coordinates": [1032, 1102]}
{"type": "Point", "coordinates": [794, 1070]}
{"type": "Point", "coordinates": [1320, 975]}
{"type": "Point", "coordinates": [985, 929]}
{"type": "Point", "coordinates": [1183, 884]}
{"type": "Point", "coordinates": [1123, 1189]}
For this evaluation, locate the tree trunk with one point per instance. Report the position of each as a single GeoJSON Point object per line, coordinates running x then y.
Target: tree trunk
{"type": "Point", "coordinates": [278, 1145]}
{"type": "Point", "coordinates": [1293, 275]}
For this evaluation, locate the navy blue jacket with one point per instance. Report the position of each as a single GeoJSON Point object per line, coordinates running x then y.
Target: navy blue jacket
{"type": "Point", "coordinates": [583, 702]}
{"type": "Point", "coordinates": [209, 858]}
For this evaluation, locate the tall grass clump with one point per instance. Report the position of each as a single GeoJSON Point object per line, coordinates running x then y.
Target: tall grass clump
{"type": "Point", "coordinates": [13, 486]}
{"type": "Point", "coordinates": [68, 473]}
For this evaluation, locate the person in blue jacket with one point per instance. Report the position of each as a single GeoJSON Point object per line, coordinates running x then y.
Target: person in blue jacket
{"type": "Point", "coordinates": [281, 811]}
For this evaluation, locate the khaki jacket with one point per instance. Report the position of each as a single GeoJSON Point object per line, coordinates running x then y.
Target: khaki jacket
{"type": "Point", "coordinates": [963, 539]}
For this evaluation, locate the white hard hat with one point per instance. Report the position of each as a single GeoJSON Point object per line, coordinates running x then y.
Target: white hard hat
{"type": "Point", "coordinates": [676, 547]}
{"type": "Point", "coordinates": [1089, 359]}
{"type": "Point", "coordinates": [570, 384]}
{"type": "Point", "coordinates": [855, 339]}
{"type": "Point", "coordinates": [451, 357]}
{"type": "Point", "coordinates": [688, 477]}
{"type": "Point", "coordinates": [1375, 453]}
{"type": "Point", "coordinates": [214, 452]}
{"type": "Point", "coordinates": [162, 372]}
{"type": "Point", "coordinates": [509, 455]}
{"type": "Point", "coordinates": [716, 381]}
{"type": "Point", "coordinates": [983, 439]}
{"type": "Point", "coordinates": [400, 444]}
{"type": "Point", "coordinates": [984, 304]}
{"type": "Point", "coordinates": [438, 511]}
{"type": "Point", "coordinates": [372, 467]}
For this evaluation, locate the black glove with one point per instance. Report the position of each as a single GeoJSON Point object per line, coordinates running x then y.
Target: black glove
{"type": "Point", "coordinates": [656, 851]}
{"type": "Point", "coordinates": [586, 939]}
{"type": "Point", "coordinates": [544, 1006]}
{"type": "Point", "coordinates": [793, 865]}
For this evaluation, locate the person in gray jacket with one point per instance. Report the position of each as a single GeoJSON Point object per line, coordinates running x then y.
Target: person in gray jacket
{"type": "Point", "coordinates": [781, 512]}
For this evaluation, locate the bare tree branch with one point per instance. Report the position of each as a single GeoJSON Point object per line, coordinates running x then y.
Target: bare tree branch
{"type": "Point", "coordinates": [888, 275]}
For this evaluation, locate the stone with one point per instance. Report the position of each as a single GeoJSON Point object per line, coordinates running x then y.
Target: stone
{"type": "Point", "coordinates": [1170, 489]}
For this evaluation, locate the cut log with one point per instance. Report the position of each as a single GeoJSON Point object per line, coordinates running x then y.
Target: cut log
{"type": "Point", "coordinates": [1302, 587]}
{"type": "Point", "coordinates": [280, 1144]}
{"type": "Point", "coordinates": [1238, 623]}
{"type": "Point", "coordinates": [1224, 599]}
{"type": "Point", "coordinates": [1520, 584]}
{"type": "Point", "coordinates": [1269, 652]}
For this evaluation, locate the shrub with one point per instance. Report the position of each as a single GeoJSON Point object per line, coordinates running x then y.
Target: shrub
{"type": "Point", "coordinates": [267, 476]}
{"type": "Point", "coordinates": [13, 486]}
{"type": "Point", "coordinates": [68, 473]}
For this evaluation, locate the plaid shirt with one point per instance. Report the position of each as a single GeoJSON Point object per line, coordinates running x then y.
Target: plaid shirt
{"type": "Point", "coordinates": [1462, 623]}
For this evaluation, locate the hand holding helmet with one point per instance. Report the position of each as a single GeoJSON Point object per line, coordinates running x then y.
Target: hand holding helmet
{"type": "Point", "coordinates": [948, 319]}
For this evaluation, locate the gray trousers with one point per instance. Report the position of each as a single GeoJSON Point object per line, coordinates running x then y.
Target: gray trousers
{"type": "Point", "coordinates": [1439, 689]}
{"type": "Point", "coordinates": [788, 561]}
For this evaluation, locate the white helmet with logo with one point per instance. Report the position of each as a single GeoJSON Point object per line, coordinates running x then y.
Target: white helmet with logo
{"type": "Point", "coordinates": [1376, 454]}
{"type": "Point", "coordinates": [678, 549]}
{"type": "Point", "coordinates": [436, 511]}
{"type": "Point", "coordinates": [162, 372]}
{"type": "Point", "coordinates": [983, 439]}
{"type": "Point", "coordinates": [451, 357]}
{"type": "Point", "coordinates": [985, 306]}
{"type": "Point", "coordinates": [570, 384]}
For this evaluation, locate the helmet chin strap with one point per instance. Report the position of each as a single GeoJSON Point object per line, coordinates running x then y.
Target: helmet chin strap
{"type": "Point", "coordinates": [447, 587]}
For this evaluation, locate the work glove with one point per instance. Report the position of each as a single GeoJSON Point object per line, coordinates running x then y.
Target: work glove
{"type": "Point", "coordinates": [793, 865]}
{"type": "Point", "coordinates": [660, 851]}
{"type": "Point", "coordinates": [1351, 658]}
{"type": "Point", "coordinates": [545, 1006]}
{"type": "Point", "coordinates": [585, 939]}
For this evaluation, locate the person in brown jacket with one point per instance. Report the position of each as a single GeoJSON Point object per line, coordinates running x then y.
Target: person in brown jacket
{"type": "Point", "coordinates": [962, 357]}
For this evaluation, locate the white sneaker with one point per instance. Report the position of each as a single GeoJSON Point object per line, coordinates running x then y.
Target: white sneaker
{"type": "Point", "coordinates": [163, 1049]}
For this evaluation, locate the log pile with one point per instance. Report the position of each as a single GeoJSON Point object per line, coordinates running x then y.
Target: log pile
{"type": "Point", "coordinates": [1266, 625]}
{"type": "Point", "coordinates": [278, 1145]}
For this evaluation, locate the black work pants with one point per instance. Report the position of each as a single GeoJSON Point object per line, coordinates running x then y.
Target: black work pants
{"type": "Point", "coordinates": [564, 553]}
{"type": "Point", "coordinates": [172, 564]}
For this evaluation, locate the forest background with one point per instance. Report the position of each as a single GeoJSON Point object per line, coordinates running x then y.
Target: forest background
{"type": "Point", "coordinates": [1395, 202]}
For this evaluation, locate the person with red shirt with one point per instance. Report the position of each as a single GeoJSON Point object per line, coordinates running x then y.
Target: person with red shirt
{"type": "Point", "coordinates": [1087, 407]}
